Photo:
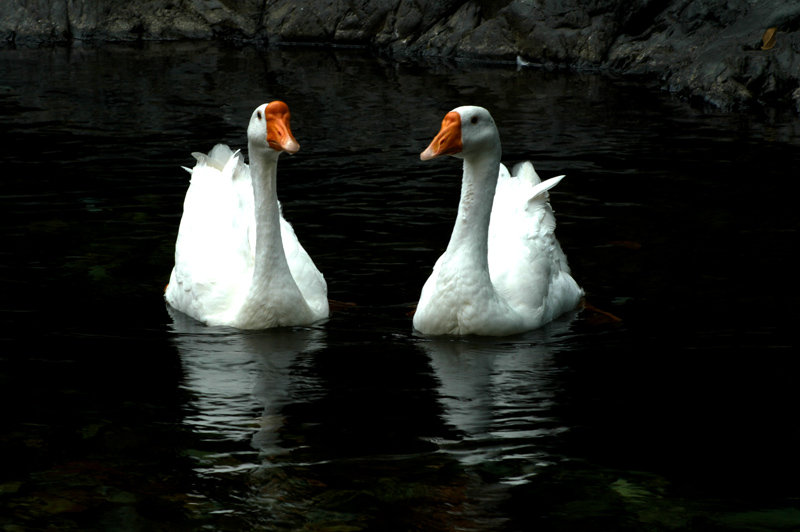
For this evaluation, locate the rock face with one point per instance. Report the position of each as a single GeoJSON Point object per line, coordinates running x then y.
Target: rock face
{"type": "Point", "coordinates": [705, 49]}
{"type": "Point", "coordinates": [37, 21]}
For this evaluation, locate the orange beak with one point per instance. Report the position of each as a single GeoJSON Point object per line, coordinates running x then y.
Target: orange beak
{"type": "Point", "coordinates": [448, 140]}
{"type": "Point", "coordinates": [279, 134]}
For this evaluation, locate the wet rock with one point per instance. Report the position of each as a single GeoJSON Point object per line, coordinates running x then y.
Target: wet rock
{"type": "Point", "coordinates": [709, 50]}
{"type": "Point", "coordinates": [712, 50]}
{"type": "Point", "coordinates": [42, 21]}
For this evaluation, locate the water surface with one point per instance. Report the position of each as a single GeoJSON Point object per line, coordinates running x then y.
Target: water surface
{"type": "Point", "coordinates": [122, 414]}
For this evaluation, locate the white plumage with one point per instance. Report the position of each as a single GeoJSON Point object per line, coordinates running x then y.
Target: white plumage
{"type": "Point", "coordinates": [503, 271]}
{"type": "Point", "coordinates": [238, 262]}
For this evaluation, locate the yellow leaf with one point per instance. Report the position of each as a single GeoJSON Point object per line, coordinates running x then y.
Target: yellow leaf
{"type": "Point", "coordinates": [768, 39]}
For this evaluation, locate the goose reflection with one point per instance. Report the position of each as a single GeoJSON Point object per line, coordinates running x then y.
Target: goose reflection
{"type": "Point", "coordinates": [500, 397]}
{"type": "Point", "coordinates": [240, 382]}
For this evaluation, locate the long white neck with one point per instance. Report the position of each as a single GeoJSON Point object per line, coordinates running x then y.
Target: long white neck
{"type": "Point", "coordinates": [469, 239]}
{"type": "Point", "coordinates": [270, 260]}
{"type": "Point", "coordinates": [273, 298]}
{"type": "Point", "coordinates": [271, 274]}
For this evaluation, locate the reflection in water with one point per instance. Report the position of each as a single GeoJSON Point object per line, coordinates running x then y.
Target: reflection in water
{"type": "Point", "coordinates": [232, 374]}
{"type": "Point", "coordinates": [499, 396]}
{"type": "Point", "coordinates": [257, 396]}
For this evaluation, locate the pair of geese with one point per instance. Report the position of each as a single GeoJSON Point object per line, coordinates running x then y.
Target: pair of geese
{"type": "Point", "coordinates": [239, 263]}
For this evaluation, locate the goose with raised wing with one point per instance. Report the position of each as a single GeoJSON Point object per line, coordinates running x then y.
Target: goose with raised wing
{"type": "Point", "coordinates": [503, 271]}
{"type": "Point", "coordinates": [238, 262]}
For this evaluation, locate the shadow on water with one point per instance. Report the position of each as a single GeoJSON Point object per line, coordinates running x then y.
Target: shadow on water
{"type": "Point", "coordinates": [124, 414]}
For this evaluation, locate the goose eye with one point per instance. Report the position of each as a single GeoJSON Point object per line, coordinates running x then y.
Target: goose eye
{"type": "Point", "coordinates": [474, 120]}
{"type": "Point", "coordinates": [258, 114]}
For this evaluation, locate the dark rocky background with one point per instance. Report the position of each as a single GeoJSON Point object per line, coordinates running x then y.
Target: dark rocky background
{"type": "Point", "coordinates": [705, 50]}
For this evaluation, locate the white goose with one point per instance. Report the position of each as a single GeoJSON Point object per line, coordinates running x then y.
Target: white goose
{"type": "Point", "coordinates": [237, 260]}
{"type": "Point", "coordinates": [503, 271]}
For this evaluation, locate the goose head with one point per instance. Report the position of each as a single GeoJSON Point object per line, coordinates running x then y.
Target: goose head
{"type": "Point", "coordinates": [465, 131]}
{"type": "Point", "coordinates": [269, 131]}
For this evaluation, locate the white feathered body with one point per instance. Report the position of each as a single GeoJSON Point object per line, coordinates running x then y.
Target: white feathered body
{"type": "Point", "coordinates": [525, 282]}
{"type": "Point", "coordinates": [215, 255]}
{"type": "Point", "coordinates": [527, 265]}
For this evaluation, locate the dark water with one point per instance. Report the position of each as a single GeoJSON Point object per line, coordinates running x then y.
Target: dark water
{"type": "Point", "coordinates": [118, 415]}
